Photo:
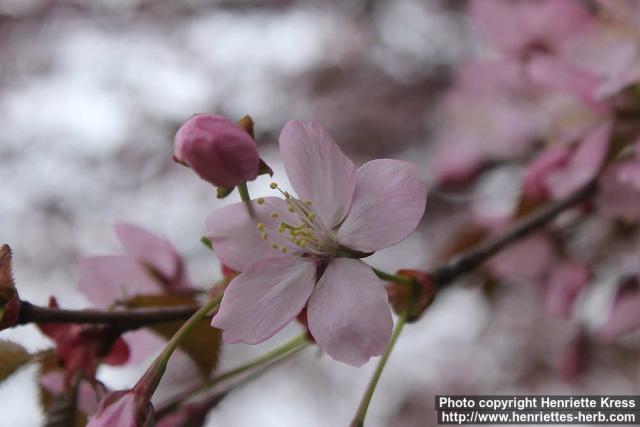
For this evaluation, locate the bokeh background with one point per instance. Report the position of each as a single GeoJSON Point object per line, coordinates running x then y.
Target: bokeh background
{"type": "Point", "coordinates": [91, 94]}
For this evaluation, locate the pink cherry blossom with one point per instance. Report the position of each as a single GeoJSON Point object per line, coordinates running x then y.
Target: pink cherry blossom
{"type": "Point", "coordinates": [552, 159]}
{"type": "Point", "coordinates": [586, 161]}
{"type": "Point", "coordinates": [624, 316]}
{"type": "Point", "coordinates": [514, 27]}
{"type": "Point", "coordinates": [152, 266]}
{"type": "Point", "coordinates": [302, 251]}
{"type": "Point", "coordinates": [526, 260]}
{"type": "Point", "coordinates": [619, 194]}
{"type": "Point", "coordinates": [218, 150]}
{"type": "Point", "coordinates": [567, 281]}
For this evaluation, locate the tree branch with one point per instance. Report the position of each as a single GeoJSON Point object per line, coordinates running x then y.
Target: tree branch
{"type": "Point", "coordinates": [121, 320]}
{"type": "Point", "coordinates": [467, 261]}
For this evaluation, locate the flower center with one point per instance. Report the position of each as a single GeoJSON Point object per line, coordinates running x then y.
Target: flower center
{"type": "Point", "coordinates": [300, 231]}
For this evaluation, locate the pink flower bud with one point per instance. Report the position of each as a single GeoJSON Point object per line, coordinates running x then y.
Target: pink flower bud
{"type": "Point", "coordinates": [125, 408]}
{"type": "Point", "coordinates": [218, 150]}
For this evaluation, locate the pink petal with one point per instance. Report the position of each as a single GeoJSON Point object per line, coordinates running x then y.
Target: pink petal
{"type": "Point", "coordinates": [235, 238]}
{"type": "Point", "coordinates": [554, 73]}
{"type": "Point", "coordinates": [548, 161]}
{"type": "Point", "coordinates": [155, 252]}
{"type": "Point", "coordinates": [624, 317]}
{"type": "Point", "coordinates": [106, 279]}
{"type": "Point", "coordinates": [584, 164]}
{"type": "Point", "coordinates": [388, 203]}
{"type": "Point", "coordinates": [565, 285]}
{"type": "Point", "coordinates": [348, 312]}
{"type": "Point", "coordinates": [318, 170]}
{"type": "Point", "coordinates": [527, 260]}
{"type": "Point", "coordinates": [501, 23]}
{"type": "Point", "coordinates": [264, 298]}
{"type": "Point", "coordinates": [619, 194]}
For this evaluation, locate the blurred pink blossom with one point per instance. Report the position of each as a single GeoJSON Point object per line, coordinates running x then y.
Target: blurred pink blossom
{"type": "Point", "coordinates": [567, 281]}
{"type": "Point", "coordinates": [152, 266]}
{"type": "Point", "coordinates": [305, 249]}
{"type": "Point", "coordinates": [619, 194]}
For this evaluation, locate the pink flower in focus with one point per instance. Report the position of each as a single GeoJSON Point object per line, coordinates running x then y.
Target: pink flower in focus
{"type": "Point", "coordinates": [218, 150]}
{"type": "Point", "coordinates": [126, 408]}
{"type": "Point", "coordinates": [304, 250]}
{"type": "Point", "coordinates": [152, 266]}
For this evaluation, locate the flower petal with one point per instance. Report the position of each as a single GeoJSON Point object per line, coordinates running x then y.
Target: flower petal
{"type": "Point", "coordinates": [235, 238]}
{"type": "Point", "coordinates": [584, 163]}
{"type": "Point", "coordinates": [155, 253]}
{"type": "Point", "coordinates": [348, 313]}
{"type": "Point", "coordinates": [264, 298]}
{"type": "Point", "coordinates": [624, 318]}
{"type": "Point", "coordinates": [318, 170]}
{"type": "Point", "coordinates": [388, 203]}
{"type": "Point", "coordinates": [105, 279]}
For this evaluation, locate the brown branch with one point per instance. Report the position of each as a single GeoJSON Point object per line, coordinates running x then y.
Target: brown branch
{"type": "Point", "coordinates": [121, 320]}
{"type": "Point", "coordinates": [469, 260]}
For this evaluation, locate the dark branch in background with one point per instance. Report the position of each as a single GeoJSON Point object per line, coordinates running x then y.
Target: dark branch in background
{"type": "Point", "coordinates": [121, 320]}
{"type": "Point", "coordinates": [471, 259]}
{"type": "Point", "coordinates": [442, 276]}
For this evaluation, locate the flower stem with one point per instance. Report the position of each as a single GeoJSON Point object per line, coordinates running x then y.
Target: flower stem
{"type": "Point", "coordinates": [286, 349]}
{"type": "Point", "coordinates": [155, 372]}
{"type": "Point", "coordinates": [393, 277]}
{"type": "Point", "coordinates": [246, 198]}
{"type": "Point", "coordinates": [358, 420]}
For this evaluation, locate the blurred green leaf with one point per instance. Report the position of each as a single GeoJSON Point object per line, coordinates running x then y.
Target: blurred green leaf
{"type": "Point", "coordinates": [12, 357]}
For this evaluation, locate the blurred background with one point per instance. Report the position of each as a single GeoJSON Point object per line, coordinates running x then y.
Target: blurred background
{"type": "Point", "coordinates": [91, 94]}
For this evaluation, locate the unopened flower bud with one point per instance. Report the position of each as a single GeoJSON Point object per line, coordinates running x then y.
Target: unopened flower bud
{"type": "Point", "coordinates": [218, 150]}
{"type": "Point", "coordinates": [124, 408]}
{"type": "Point", "coordinates": [418, 297]}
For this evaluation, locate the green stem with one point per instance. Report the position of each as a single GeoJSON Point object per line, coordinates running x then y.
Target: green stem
{"type": "Point", "coordinates": [288, 348]}
{"type": "Point", "coordinates": [245, 197]}
{"type": "Point", "coordinates": [159, 365]}
{"type": "Point", "coordinates": [358, 420]}
{"type": "Point", "coordinates": [393, 277]}
{"type": "Point", "coordinates": [244, 192]}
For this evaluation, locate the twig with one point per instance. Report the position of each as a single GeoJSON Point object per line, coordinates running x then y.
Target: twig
{"type": "Point", "coordinates": [121, 320]}
{"type": "Point", "coordinates": [469, 260]}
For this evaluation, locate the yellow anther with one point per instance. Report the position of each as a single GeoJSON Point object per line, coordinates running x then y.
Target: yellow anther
{"type": "Point", "coordinates": [260, 201]}
{"type": "Point", "coordinates": [274, 215]}
{"type": "Point", "coordinates": [292, 210]}
{"type": "Point", "coordinates": [274, 246]}
{"type": "Point", "coordinates": [281, 228]}
{"type": "Point", "coordinates": [273, 185]}
{"type": "Point", "coordinates": [284, 250]}
{"type": "Point", "coordinates": [260, 226]}
{"type": "Point", "coordinates": [287, 195]}
{"type": "Point", "coordinates": [307, 202]}
{"type": "Point", "coordinates": [264, 236]}
{"type": "Point", "coordinates": [312, 216]}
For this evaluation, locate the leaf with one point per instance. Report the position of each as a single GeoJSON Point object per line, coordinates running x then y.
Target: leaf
{"type": "Point", "coordinates": [12, 357]}
{"type": "Point", "coordinates": [202, 344]}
